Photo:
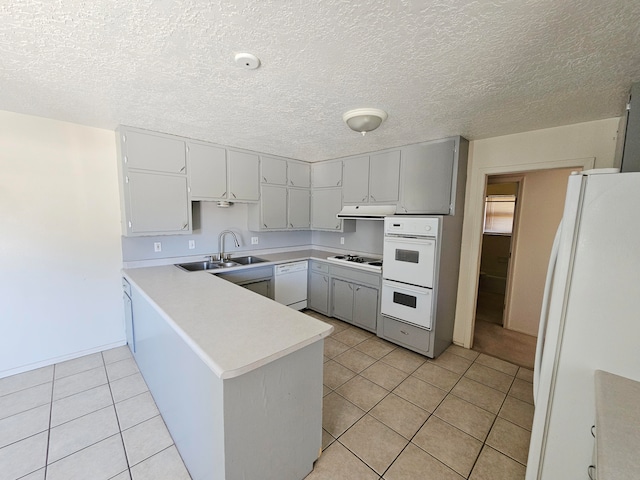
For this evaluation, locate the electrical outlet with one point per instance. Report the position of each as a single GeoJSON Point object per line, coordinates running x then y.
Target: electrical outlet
{"type": "Point", "coordinates": [254, 240]}
{"type": "Point", "coordinates": [192, 244]}
{"type": "Point", "coordinates": [157, 246]}
{"type": "Point", "coordinates": [341, 240]}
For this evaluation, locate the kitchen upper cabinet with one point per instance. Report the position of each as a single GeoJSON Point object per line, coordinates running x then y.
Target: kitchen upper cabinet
{"type": "Point", "coordinates": [356, 180]}
{"type": "Point", "coordinates": [372, 178]}
{"type": "Point", "coordinates": [153, 183]}
{"type": "Point", "coordinates": [299, 208]}
{"type": "Point", "coordinates": [207, 171]}
{"type": "Point", "coordinates": [298, 174]}
{"type": "Point", "coordinates": [430, 176]}
{"type": "Point", "coordinates": [273, 170]}
{"type": "Point", "coordinates": [244, 175]}
{"type": "Point", "coordinates": [326, 174]}
{"type": "Point", "coordinates": [153, 152]}
{"type": "Point", "coordinates": [384, 175]}
{"type": "Point", "coordinates": [273, 206]}
{"type": "Point", "coordinates": [157, 204]}
{"type": "Point", "coordinates": [325, 205]}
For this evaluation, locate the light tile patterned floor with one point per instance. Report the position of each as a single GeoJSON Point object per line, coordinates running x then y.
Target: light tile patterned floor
{"type": "Point", "coordinates": [388, 414]}
{"type": "Point", "coordinates": [89, 418]}
{"type": "Point", "coordinates": [393, 414]}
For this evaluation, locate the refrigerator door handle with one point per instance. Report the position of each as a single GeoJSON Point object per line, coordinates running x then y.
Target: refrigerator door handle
{"type": "Point", "coordinates": [544, 313]}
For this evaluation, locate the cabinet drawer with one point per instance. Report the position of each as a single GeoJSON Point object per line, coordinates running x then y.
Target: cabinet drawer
{"type": "Point", "coordinates": [356, 275]}
{"type": "Point", "coordinates": [407, 335]}
{"type": "Point", "coordinates": [319, 267]}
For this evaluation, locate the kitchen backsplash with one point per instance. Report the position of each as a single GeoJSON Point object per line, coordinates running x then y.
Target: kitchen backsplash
{"type": "Point", "coordinates": [210, 220]}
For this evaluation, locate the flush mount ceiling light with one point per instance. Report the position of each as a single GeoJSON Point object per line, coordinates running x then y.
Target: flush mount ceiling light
{"type": "Point", "coordinates": [364, 120]}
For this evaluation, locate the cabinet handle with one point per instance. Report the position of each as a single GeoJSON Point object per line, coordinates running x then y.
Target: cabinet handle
{"type": "Point", "coordinates": [364, 199]}
{"type": "Point", "coordinates": [339, 182]}
{"type": "Point", "coordinates": [234, 195]}
{"type": "Point", "coordinates": [373, 198]}
{"type": "Point", "coordinates": [593, 434]}
{"type": "Point", "coordinates": [403, 332]}
{"type": "Point", "coordinates": [224, 194]}
{"type": "Point", "coordinates": [291, 225]}
{"type": "Point", "coordinates": [265, 180]}
{"type": "Point", "coordinates": [126, 159]}
{"type": "Point", "coordinates": [292, 184]}
{"type": "Point", "coordinates": [337, 226]}
{"type": "Point", "coordinates": [350, 286]}
{"type": "Point", "coordinates": [325, 279]}
{"type": "Point", "coordinates": [357, 289]}
{"type": "Point", "coordinates": [182, 169]}
{"type": "Point", "coordinates": [265, 225]}
{"type": "Point", "coordinates": [590, 471]}
{"type": "Point", "coordinates": [185, 226]}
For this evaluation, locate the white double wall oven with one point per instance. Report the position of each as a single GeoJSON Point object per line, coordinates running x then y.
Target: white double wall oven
{"type": "Point", "coordinates": [409, 265]}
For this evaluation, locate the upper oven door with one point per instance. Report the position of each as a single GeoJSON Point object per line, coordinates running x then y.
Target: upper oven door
{"type": "Point", "coordinates": [409, 260]}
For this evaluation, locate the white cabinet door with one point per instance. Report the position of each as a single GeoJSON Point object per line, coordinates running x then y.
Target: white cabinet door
{"type": "Point", "coordinates": [384, 177]}
{"type": "Point", "coordinates": [299, 203]}
{"type": "Point", "coordinates": [426, 177]}
{"type": "Point", "coordinates": [318, 292]}
{"type": "Point", "coordinates": [326, 174]}
{"type": "Point", "coordinates": [157, 204]}
{"type": "Point", "coordinates": [244, 176]}
{"type": "Point", "coordinates": [342, 307]}
{"type": "Point", "coordinates": [325, 205]}
{"type": "Point", "coordinates": [299, 174]}
{"type": "Point", "coordinates": [365, 307]}
{"type": "Point", "coordinates": [155, 152]}
{"type": "Point", "coordinates": [207, 171]}
{"type": "Point", "coordinates": [355, 176]}
{"type": "Point", "coordinates": [274, 207]}
{"type": "Point", "coordinates": [273, 170]}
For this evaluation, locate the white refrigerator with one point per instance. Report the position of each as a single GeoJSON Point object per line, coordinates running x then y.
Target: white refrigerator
{"type": "Point", "coordinates": [590, 318]}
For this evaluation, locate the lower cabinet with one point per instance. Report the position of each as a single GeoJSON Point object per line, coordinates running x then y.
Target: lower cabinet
{"type": "Point", "coordinates": [258, 279]}
{"type": "Point", "coordinates": [355, 303]}
{"type": "Point", "coordinates": [350, 294]}
{"type": "Point", "coordinates": [409, 336]}
{"type": "Point", "coordinates": [318, 292]}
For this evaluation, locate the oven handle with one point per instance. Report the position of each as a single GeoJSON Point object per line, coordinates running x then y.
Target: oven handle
{"type": "Point", "coordinates": [408, 288]}
{"type": "Point", "coordinates": [391, 237]}
{"type": "Point", "coordinates": [409, 240]}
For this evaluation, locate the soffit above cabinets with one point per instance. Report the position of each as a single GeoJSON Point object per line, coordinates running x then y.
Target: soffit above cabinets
{"type": "Point", "coordinates": [439, 68]}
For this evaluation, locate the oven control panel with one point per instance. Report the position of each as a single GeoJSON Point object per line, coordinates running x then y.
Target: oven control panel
{"type": "Point", "coordinates": [411, 226]}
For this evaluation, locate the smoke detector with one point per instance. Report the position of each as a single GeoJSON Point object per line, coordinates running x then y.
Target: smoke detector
{"type": "Point", "coordinates": [247, 61]}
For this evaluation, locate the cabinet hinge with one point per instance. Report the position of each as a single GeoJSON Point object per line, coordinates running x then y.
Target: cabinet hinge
{"type": "Point", "coordinates": [126, 179]}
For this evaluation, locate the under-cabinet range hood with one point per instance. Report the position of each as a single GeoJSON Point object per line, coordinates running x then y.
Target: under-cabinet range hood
{"type": "Point", "coordinates": [371, 212]}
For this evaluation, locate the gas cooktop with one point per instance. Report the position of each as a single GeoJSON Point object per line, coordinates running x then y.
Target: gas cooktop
{"type": "Point", "coordinates": [356, 260]}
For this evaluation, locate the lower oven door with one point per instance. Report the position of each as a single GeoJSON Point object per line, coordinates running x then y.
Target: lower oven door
{"type": "Point", "coordinates": [407, 302]}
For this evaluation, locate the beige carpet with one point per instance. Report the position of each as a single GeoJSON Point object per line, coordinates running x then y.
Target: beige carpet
{"type": "Point", "coordinates": [508, 345]}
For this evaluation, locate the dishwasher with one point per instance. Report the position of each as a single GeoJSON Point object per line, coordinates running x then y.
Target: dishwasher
{"type": "Point", "coordinates": [291, 284]}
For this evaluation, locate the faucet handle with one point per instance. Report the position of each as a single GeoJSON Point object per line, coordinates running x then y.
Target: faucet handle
{"type": "Point", "coordinates": [214, 257]}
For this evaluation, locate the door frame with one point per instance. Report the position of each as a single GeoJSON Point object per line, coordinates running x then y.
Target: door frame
{"type": "Point", "coordinates": [467, 302]}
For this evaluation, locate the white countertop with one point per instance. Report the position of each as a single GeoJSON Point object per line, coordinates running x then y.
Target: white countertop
{"type": "Point", "coordinates": [232, 329]}
{"type": "Point", "coordinates": [617, 427]}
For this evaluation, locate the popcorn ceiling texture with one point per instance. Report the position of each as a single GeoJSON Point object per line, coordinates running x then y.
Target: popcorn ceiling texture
{"type": "Point", "coordinates": [439, 68]}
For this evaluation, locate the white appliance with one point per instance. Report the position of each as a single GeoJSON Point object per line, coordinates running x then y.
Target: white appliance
{"type": "Point", "coordinates": [409, 259]}
{"type": "Point", "coordinates": [291, 284]}
{"type": "Point", "coordinates": [590, 318]}
{"type": "Point", "coordinates": [357, 261]}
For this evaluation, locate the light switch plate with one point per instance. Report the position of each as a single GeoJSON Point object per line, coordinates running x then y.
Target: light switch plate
{"type": "Point", "coordinates": [157, 246]}
{"type": "Point", "coordinates": [254, 240]}
{"type": "Point", "coordinates": [192, 244]}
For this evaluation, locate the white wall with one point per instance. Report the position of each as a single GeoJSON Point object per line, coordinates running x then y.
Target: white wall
{"type": "Point", "coordinates": [580, 145]}
{"type": "Point", "coordinates": [541, 205]}
{"type": "Point", "coordinates": [60, 252]}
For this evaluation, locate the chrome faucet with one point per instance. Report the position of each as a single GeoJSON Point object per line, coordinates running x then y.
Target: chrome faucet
{"type": "Point", "coordinates": [221, 253]}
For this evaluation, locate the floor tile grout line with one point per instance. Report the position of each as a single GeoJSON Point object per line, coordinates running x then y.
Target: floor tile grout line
{"type": "Point", "coordinates": [46, 457]}
{"type": "Point", "coordinates": [113, 400]}
{"type": "Point", "coordinates": [25, 388]}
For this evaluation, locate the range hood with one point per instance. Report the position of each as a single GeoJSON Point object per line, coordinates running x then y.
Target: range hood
{"type": "Point", "coordinates": [372, 212]}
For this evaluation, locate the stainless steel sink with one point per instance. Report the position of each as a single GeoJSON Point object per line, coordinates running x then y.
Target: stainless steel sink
{"type": "Point", "coordinates": [205, 265]}
{"type": "Point", "coordinates": [248, 260]}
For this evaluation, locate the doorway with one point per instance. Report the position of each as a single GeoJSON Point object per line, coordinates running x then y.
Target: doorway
{"type": "Point", "coordinates": [516, 263]}
{"type": "Point", "coordinates": [499, 226]}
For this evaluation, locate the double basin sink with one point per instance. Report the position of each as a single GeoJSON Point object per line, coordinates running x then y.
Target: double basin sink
{"type": "Point", "coordinates": [215, 265]}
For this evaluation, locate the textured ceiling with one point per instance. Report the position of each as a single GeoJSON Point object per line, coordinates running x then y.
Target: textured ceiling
{"type": "Point", "coordinates": [438, 67]}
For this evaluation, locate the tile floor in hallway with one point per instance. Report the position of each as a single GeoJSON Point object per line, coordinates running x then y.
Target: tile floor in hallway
{"type": "Point", "coordinates": [393, 414]}
{"type": "Point", "coordinates": [388, 414]}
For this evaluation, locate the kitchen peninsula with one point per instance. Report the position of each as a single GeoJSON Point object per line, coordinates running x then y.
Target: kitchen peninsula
{"type": "Point", "coordinates": [236, 376]}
